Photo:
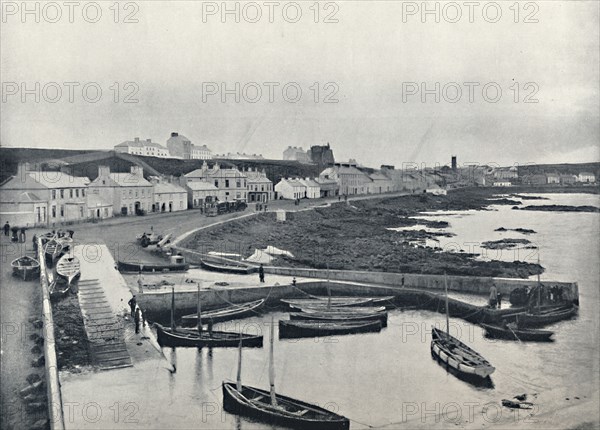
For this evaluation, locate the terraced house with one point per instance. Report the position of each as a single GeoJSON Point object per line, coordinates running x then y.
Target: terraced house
{"type": "Point", "coordinates": [231, 184]}
{"type": "Point", "coordinates": [129, 193]}
{"type": "Point", "coordinates": [168, 197]}
{"type": "Point", "coordinates": [36, 197]}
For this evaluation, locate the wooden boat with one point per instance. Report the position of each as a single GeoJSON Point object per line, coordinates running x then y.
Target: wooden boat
{"type": "Point", "coordinates": [191, 337]}
{"type": "Point", "coordinates": [131, 266]}
{"type": "Point", "coordinates": [295, 329]}
{"type": "Point", "coordinates": [68, 267]}
{"type": "Point", "coordinates": [148, 239]}
{"type": "Point", "coordinates": [527, 319]}
{"type": "Point", "coordinates": [275, 409]}
{"type": "Point", "coordinates": [52, 251]}
{"type": "Point", "coordinates": [342, 317]}
{"type": "Point", "coordinates": [58, 287]}
{"type": "Point", "coordinates": [226, 313]}
{"type": "Point", "coordinates": [197, 337]}
{"type": "Point", "coordinates": [517, 334]}
{"type": "Point", "coordinates": [458, 356]}
{"type": "Point", "coordinates": [25, 267]}
{"type": "Point", "coordinates": [66, 243]}
{"type": "Point", "coordinates": [335, 302]}
{"type": "Point", "coordinates": [240, 269]}
{"type": "Point", "coordinates": [337, 310]}
{"type": "Point", "coordinates": [374, 301]}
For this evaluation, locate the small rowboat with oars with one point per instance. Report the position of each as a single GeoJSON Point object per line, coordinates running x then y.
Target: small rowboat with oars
{"type": "Point", "coordinates": [68, 267]}
{"type": "Point", "coordinates": [25, 267]}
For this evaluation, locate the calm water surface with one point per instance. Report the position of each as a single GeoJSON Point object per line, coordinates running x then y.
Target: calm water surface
{"type": "Point", "coordinates": [378, 379]}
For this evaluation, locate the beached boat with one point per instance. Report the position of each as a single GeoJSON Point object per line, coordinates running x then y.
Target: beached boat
{"type": "Point", "coordinates": [191, 337]}
{"type": "Point", "coordinates": [131, 266]}
{"type": "Point", "coordinates": [339, 317]}
{"type": "Point", "coordinates": [295, 329]}
{"type": "Point", "coordinates": [374, 301]}
{"type": "Point", "coordinates": [66, 243]}
{"type": "Point", "coordinates": [25, 267]}
{"type": "Point", "coordinates": [514, 333]}
{"type": "Point", "coordinates": [52, 251]}
{"type": "Point", "coordinates": [68, 267]}
{"type": "Point", "coordinates": [226, 313]}
{"type": "Point", "coordinates": [547, 317]}
{"type": "Point", "coordinates": [275, 409]}
{"type": "Point", "coordinates": [335, 302]}
{"type": "Point", "coordinates": [465, 361]}
{"type": "Point", "coordinates": [240, 269]}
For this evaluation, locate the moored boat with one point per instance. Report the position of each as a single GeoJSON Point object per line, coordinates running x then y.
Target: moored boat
{"type": "Point", "coordinates": [296, 329]}
{"type": "Point", "coordinates": [340, 317]}
{"type": "Point", "coordinates": [52, 251]}
{"type": "Point", "coordinates": [542, 318]}
{"type": "Point", "coordinates": [514, 333]}
{"type": "Point", "coordinates": [226, 313]}
{"type": "Point", "coordinates": [374, 301]}
{"type": "Point", "coordinates": [191, 337]}
{"type": "Point", "coordinates": [132, 266]}
{"type": "Point", "coordinates": [346, 310]}
{"type": "Point", "coordinates": [240, 269]}
{"type": "Point", "coordinates": [68, 267]}
{"type": "Point", "coordinates": [334, 302]}
{"type": "Point", "coordinates": [25, 267]}
{"type": "Point", "coordinates": [273, 408]}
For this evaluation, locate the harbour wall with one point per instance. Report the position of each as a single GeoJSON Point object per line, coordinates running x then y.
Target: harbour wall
{"type": "Point", "coordinates": [55, 410]}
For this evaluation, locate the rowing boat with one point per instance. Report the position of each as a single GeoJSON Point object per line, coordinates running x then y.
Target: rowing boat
{"type": "Point", "coordinates": [52, 251]}
{"type": "Point", "coordinates": [335, 302]}
{"type": "Point", "coordinates": [275, 409]}
{"type": "Point", "coordinates": [295, 329]}
{"type": "Point", "coordinates": [226, 313]}
{"type": "Point", "coordinates": [240, 269]}
{"type": "Point", "coordinates": [517, 334]}
{"type": "Point", "coordinates": [375, 301]}
{"type": "Point", "coordinates": [527, 319]}
{"type": "Point", "coordinates": [25, 267]}
{"type": "Point", "coordinates": [345, 310]}
{"type": "Point", "coordinates": [131, 266]}
{"type": "Point", "coordinates": [191, 337]}
{"type": "Point", "coordinates": [68, 267]}
{"type": "Point", "coordinates": [341, 317]}
{"type": "Point", "coordinates": [459, 356]}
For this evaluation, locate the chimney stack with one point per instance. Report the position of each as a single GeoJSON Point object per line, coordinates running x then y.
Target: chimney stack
{"type": "Point", "coordinates": [136, 139]}
{"type": "Point", "coordinates": [174, 134]}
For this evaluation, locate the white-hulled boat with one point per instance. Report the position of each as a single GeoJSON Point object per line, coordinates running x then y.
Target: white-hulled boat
{"type": "Point", "coordinates": [68, 267]}
{"type": "Point", "coordinates": [52, 250]}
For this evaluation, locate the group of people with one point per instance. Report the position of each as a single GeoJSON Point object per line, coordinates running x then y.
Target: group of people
{"type": "Point", "coordinates": [18, 233]}
{"type": "Point", "coordinates": [136, 314]}
{"type": "Point", "coordinates": [261, 207]}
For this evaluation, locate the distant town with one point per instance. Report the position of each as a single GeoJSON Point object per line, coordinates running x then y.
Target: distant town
{"type": "Point", "coordinates": [49, 191]}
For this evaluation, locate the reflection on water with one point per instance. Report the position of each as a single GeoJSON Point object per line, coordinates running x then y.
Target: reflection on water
{"type": "Point", "coordinates": [374, 379]}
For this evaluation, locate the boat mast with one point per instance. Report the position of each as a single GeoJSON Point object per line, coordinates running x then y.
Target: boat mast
{"type": "Point", "coordinates": [539, 284]}
{"type": "Point", "coordinates": [199, 310]}
{"type": "Point", "coordinates": [328, 290]}
{"type": "Point", "coordinates": [447, 313]}
{"type": "Point", "coordinates": [238, 384]}
{"type": "Point", "coordinates": [173, 308]}
{"type": "Point", "coordinates": [272, 367]}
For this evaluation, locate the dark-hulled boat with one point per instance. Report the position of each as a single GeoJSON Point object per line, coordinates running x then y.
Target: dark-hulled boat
{"type": "Point", "coordinates": [340, 317]}
{"type": "Point", "coordinates": [240, 269]}
{"type": "Point", "coordinates": [334, 303]}
{"type": "Point", "coordinates": [52, 251]}
{"type": "Point", "coordinates": [68, 267]}
{"type": "Point", "coordinates": [296, 329]}
{"type": "Point", "coordinates": [25, 267]}
{"type": "Point", "coordinates": [136, 267]}
{"type": "Point", "coordinates": [275, 409]}
{"type": "Point", "coordinates": [214, 339]}
{"type": "Point", "coordinates": [524, 335]}
{"type": "Point", "coordinates": [226, 313]}
{"type": "Point", "coordinates": [551, 316]}
{"type": "Point", "coordinates": [356, 310]}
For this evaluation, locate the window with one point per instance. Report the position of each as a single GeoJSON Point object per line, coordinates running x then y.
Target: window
{"type": "Point", "coordinates": [226, 183]}
{"type": "Point", "coordinates": [77, 192]}
{"type": "Point", "coordinates": [216, 183]}
{"type": "Point", "coordinates": [53, 211]}
{"type": "Point", "coordinates": [136, 193]}
{"type": "Point", "coordinates": [130, 193]}
{"type": "Point", "coordinates": [62, 194]}
{"type": "Point", "coordinates": [238, 184]}
{"type": "Point", "coordinates": [62, 210]}
{"type": "Point", "coordinates": [83, 192]}
{"type": "Point", "coordinates": [53, 194]}
{"type": "Point", "coordinates": [80, 211]}
{"type": "Point", "coordinates": [71, 193]}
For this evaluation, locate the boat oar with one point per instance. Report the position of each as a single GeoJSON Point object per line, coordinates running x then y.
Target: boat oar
{"type": "Point", "coordinates": [514, 334]}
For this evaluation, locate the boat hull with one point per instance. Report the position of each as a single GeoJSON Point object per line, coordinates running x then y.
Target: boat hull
{"type": "Point", "coordinates": [239, 403]}
{"type": "Point", "coordinates": [26, 268]}
{"type": "Point", "coordinates": [440, 349]}
{"type": "Point", "coordinates": [219, 339]}
{"type": "Point", "coordinates": [335, 302]}
{"type": "Point", "coordinates": [525, 320]}
{"type": "Point", "coordinates": [225, 268]}
{"type": "Point", "coordinates": [298, 329]}
{"type": "Point", "coordinates": [382, 317]}
{"type": "Point", "coordinates": [516, 334]}
{"type": "Point", "coordinates": [127, 266]}
{"type": "Point", "coordinates": [225, 314]}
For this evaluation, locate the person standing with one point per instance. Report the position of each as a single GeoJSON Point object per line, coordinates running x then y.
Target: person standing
{"type": "Point", "coordinates": [137, 318]}
{"type": "Point", "coordinates": [493, 296]}
{"type": "Point", "coordinates": [261, 273]}
{"type": "Point", "coordinates": [22, 235]}
{"type": "Point", "coordinates": [132, 304]}
{"type": "Point", "coordinates": [14, 234]}
{"type": "Point", "coordinates": [71, 233]}
{"type": "Point", "coordinates": [35, 243]}
{"type": "Point", "coordinates": [6, 228]}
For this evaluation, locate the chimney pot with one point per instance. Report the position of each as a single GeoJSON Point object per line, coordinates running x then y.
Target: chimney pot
{"type": "Point", "coordinates": [137, 139]}
{"type": "Point", "coordinates": [174, 134]}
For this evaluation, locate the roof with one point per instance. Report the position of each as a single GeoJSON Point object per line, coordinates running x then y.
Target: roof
{"type": "Point", "coordinates": [166, 187]}
{"type": "Point", "coordinates": [139, 144]}
{"type": "Point", "coordinates": [201, 186]}
{"type": "Point", "coordinates": [218, 173]}
{"type": "Point", "coordinates": [55, 180]}
{"type": "Point", "coordinates": [16, 196]}
{"type": "Point", "coordinates": [254, 176]}
{"type": "Point", "coordinates": [379, 176]}
{"type": "Point", "coordinates": [129, 180]}
{"type": "Point", "coordinates": [292, 182]}
{"type": "Point", "coordinates": [309, 183]}
{"type": "Point", "coordinates": [586, 174]}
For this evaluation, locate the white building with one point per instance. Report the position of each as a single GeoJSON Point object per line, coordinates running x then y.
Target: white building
{"type": "Point", "coordinates": [436, 191]}
{"type": "Point", "coordinates": [502, 184]}
{"type": "Point", "coordinates": [201, 194]}
{"type": "Point", "coordinates": [181, 147]}
{"type": "Point", "coordinates": [230, 182]}
{"type": "Point", "coordinates": [168, 197]}
{"type": "Point", "coordinates": [145, 148]}
{"type": "Point", "coordinates": [313, 188]}
{"type": "Point", "coordinates": [586, 177]}
{"type": "Point", "coordinates": [291, 189]}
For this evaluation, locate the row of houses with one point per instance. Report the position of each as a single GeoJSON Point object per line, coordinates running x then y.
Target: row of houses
{"type": "Point", "coordinates": [559, 179]}
{"type": "Point", "coordinates": [35, 197]}
{"type": "Point", "coordinates": [178, 146]}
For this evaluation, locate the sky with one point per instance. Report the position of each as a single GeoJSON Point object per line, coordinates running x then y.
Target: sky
{"type": "Point", "coordinates": [368, 82]}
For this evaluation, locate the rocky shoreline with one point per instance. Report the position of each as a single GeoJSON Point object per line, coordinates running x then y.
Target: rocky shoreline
{"type": "Point", "coordinates": [356, 236]}
{"type": "Point", "coordinates": [559, 208]}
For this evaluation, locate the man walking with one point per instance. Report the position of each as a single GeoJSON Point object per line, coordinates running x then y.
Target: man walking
{"type": "Point", "coordinates": [6, 228]}
{"type": "Point", "coordinates": [132, 304]}
{"type": "Point", "coordinates": [261, 273]}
